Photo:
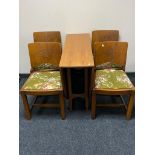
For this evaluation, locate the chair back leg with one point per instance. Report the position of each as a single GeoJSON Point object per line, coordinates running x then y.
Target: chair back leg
{"type": "Point", "coordinates": [130, 106]}
{"type": "Point", "coordinates": [93, 106]}
{"type": "Point", "coordinates": [62, 106]}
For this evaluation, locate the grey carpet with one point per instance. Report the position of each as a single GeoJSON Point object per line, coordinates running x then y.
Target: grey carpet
{"type": "Point", "coordinates": [46, 134]}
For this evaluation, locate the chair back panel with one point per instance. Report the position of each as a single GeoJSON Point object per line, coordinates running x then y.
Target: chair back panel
{"type": "Point", "coordinates": [49, 36]}
{"type": "Point", "coordinates": [41, 53]}
{"type": "Point", "coordinates": [110, 51]}
{"type": "Point", "coordinates": [105, 35]}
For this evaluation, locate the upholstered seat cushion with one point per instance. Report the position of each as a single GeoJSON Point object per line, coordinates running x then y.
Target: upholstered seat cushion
{"type": "Point", "coordinates": [43, 81]}
{"type": "Point", "coordinates": [111, 78]}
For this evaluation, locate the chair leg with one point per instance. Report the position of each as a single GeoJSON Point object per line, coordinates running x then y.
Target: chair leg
{"type": "Point", "coordinates": [62, 106]}
{"type": "Point", "coordinates": [26, 106]}
{"type": "Point", "coordinates": [130, 106]}
{"type": "Point", "coordinates": [93, 106]}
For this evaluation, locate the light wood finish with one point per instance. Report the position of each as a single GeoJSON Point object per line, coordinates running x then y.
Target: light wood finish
{"type": "Point", "coordinates": [115, 52]}
{"type": "Point", "coordinates": [44, 52]}
{"type": "Point", "coordinates": [110, 51]}
{"type": "Point", "coordinates": [47, 36]}
{"type": "Point", "coordinates": [77, 52]}
{"type": "Point", "coordinates": [41, 53]}
{"type": "Point", "coordinates": [104, 35]}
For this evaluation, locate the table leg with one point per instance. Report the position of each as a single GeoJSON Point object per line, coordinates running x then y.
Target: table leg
{"type": "Point", "coordinates": [63, 79]}
{"type": "Point", "coordinates": [69, 87]}
{"type": "Point", "coordinates": [86, 88]}
{"type": "Point", "coordinates": [91, 78]}
{"type": "Point", "coordinates": [85, 94]}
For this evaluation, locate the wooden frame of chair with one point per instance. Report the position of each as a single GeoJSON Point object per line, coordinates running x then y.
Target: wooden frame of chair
{"type": "Point", "coordinates": [104, 35]}
{"type": "Point", "coordinates": [50, 36]}
{"type": "Point", "coordinates": [43, 53]}
{"type": "Point", "coordinates": [103, 50]}
{"type": "Point", "coordinates": [47, 36]}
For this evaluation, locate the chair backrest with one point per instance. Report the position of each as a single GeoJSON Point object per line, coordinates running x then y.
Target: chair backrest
{"type": "Point", "coordinates": [110, 51]}
{"type": "Point", "coordinates": [44, 53]}
{"type": "Point", "coordinates": [49, 36]}
{"type": "Point", "coordinates": [104, 35]}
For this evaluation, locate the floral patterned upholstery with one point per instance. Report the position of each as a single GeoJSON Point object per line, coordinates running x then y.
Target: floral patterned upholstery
{"type": "Point", "coordinates": [109, 65]}
{"type": "Point", "coordinates": [43, 81]}
{"type": "Point", "coordinates": [46, 66]}
{"type": "Point", "coordinates": [111, 78]}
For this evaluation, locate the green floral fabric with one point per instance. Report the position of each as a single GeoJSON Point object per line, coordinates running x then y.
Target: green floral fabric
{"type": "Point", "coordinates": [43, 81]}
{"type": "Point", "coordinates": [111, 78]}
{"type": "Point", "coordinates": [46, 66]}
{"type": "Point", "coordinates": [109, 65]}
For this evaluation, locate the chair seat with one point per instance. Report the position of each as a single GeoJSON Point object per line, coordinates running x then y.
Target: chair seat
{"type": "Point", "coordinates": [112, 79]}
{"type": "Point", "coordinates": [49, 80]}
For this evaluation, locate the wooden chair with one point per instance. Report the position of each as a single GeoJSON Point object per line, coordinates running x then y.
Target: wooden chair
{"type": "Point", "coordinates": [104, 35]}
{"type": "Point", "coordinates": [49, 36]}
{"type": "Point", "coordinates": [111, 81]}
{"type": "Point", "coordinates": [43, 82]}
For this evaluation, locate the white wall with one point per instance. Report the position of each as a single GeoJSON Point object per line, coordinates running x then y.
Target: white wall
{"type": "Point", "coordinates": [75, 16]}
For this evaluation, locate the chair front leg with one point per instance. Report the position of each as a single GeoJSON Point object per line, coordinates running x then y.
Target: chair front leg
{"type": "Point", "coordinates": [130, 106]}
{"type": "Point", "coordinates": [93, 106]}
{"type": "Point", "coordinates": [62, 106]}
{"type": "Point", "coordinates": [26, 106]}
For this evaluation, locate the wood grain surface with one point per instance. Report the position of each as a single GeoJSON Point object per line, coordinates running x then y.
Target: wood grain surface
{"type": "Point", "coordinates": [77, 52]}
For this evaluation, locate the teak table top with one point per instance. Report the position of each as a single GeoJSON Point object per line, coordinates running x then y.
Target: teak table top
{"type": "Point", "coordinates": [77, 52]}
